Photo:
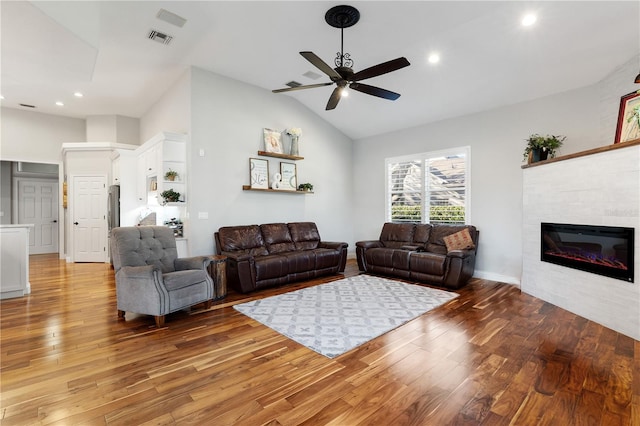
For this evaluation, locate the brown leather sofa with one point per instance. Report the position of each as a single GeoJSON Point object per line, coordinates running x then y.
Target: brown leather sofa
{"type": "Point", "coordinates": [418, 252]}
{"type": "Point", "coordinates": [260, 256]}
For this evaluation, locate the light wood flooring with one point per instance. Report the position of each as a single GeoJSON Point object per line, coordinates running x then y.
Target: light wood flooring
{"type": "Point", "coordinates": [493, 356]}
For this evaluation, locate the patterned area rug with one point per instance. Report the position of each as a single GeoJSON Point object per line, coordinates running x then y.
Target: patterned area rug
{"type": "Point", "coordinates": [334, 318]}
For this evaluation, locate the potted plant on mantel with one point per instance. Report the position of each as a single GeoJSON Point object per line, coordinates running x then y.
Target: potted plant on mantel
{"type": "Point", "coordinates": [539, 148]}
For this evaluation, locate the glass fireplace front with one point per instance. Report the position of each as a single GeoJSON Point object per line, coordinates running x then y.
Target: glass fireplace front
{"type": "Point", "coordinates": [603, 250]}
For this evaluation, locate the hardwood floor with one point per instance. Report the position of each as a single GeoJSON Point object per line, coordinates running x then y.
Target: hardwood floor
{"type": "Point", "coordinates": [493, 356]}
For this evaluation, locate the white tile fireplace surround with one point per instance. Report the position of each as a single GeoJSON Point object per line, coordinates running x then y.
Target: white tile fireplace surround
{"type": "Point", "coordinates": [596, 187]}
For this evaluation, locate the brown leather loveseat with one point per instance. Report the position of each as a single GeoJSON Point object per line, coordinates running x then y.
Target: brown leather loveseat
{"type": "Point", "coordinates": [260, 256]}
{"type": "Point", "coordinates": [443, 255]}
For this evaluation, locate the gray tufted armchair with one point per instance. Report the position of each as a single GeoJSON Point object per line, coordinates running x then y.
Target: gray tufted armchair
{"type": "Point", "coordinates": [150, 279]}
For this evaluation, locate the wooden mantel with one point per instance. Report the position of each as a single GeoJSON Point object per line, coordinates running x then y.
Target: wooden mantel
{"type": "Point", "coordinates": [584, 153]}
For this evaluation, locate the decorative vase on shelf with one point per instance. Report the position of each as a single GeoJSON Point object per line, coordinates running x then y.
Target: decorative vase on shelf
{"type": "Point", "coordinates": [294, 146]}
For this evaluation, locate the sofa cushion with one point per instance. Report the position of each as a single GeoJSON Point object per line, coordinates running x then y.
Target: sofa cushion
{"type": "Point", "coordinates": [277, 237]}
{"type": "Point", "coordinates": [242, 240]}
{"type": "Point", "coordinates": [396, 235]}
{"type": "Point", "coordinates": [180, 279]}
{"type": "Point", "coordinates": [271, 266]}
{"type": "Point", "coordinates": [305, 235]}
{"type": "Point", "coordinates": [428, 263]}
{"type": "Point", "coordinates": [421, 234]}
{"type": "Point", "coordinates": [459, 241]}
{"type": "Point", "coordinates": [436, 238]}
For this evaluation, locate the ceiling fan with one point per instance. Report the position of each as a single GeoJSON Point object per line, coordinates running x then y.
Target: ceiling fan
{"type": "Point", "coordinates": [343, 75]}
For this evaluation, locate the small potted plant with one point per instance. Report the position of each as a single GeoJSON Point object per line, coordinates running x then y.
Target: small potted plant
{"type": "Point", "coordinates": [171, 175]}
{"type": "Point", "coordinates": [170, 196]}
{"type": "Point", "coordinates": [539, 148]}
{"type": "Point", "coordinates": [307, 187]}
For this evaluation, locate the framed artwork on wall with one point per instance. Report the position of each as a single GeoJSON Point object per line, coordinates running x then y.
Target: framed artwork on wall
{"type": "Point", "coordinates": [272, 141]}
{"type": "Point", "coordinates": [289, 176]}
{"type": "Point", "coordinates": [259, 173]}
{"type": "Point", "coordinates": [628, 127]}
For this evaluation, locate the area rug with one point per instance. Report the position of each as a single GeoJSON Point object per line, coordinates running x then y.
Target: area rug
{"type": "Point", "coordinates": [336, 317]}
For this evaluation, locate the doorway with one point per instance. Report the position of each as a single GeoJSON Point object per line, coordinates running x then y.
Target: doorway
{"type": "Point", "coordinates": [88, 204]}
{"type": "Point", "coordinates": [37, 201]}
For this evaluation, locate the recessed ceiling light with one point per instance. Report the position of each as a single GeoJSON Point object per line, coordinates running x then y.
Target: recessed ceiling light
{"type": "Point", "coordinates": [433, 58]}
{"type": "Point", "coordinates": [1, 97]}
{"type": "Point", "coordinates": [60, 103]}
{"type": "Point", "coordinates": [529, 19]}
{"type": "Point", "coordinates": [78, 95]}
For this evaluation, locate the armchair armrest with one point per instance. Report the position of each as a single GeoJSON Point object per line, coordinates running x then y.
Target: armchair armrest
{"type": "Point", "coordinates": [195, 262]}
{"type": "Point", "coordinates": [139, 272]}
{"type": "Point", "coordinates": [369, 244]}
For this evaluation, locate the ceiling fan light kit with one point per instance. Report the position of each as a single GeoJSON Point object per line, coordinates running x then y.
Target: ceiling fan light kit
{"type": "Point", "coordinates": [343, 75]}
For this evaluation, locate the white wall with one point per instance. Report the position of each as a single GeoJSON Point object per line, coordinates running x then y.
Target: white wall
{"type": "Point", "coordinates": [225, 118]}
{"type": "Point", "coordinates": [227, 121]}
{"type": "Point", "coordinates": [497, 141]}
{"type": "Point", "coordinates": [599, 189]}
{"type": "Point", "coordinates": [35, 137]}
{"type": "Point", "coordinates": [171, 113]}
{"type": "Point", "coordinates": [113, 128]}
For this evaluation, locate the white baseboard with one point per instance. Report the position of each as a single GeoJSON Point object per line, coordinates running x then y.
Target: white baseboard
{"type": "Point", "coordinates": [492, 276]}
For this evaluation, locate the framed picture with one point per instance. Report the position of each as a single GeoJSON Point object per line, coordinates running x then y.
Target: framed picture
{"type": "Point", "coordinates": [273, 141]}
{"type": "Point", "coordinates": [289, 178]}
{"type": "Point", "coordinates": [259, 173]}
{"type": "Point", "coordinates": [628, 118]}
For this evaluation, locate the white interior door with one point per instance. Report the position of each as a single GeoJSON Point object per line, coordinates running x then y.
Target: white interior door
{"type": "Point", "coordinates": [38, 204]}
{"type": "Point", "coordinates": [89, 218]}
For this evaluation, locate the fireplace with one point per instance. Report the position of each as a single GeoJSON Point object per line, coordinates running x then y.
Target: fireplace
{"type": "Point", "coordinates": [603, 250]}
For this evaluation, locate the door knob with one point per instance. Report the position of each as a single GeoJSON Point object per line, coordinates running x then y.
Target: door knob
{"type": "Point", "coordinates": [55, 221]}
{"type": "Point", "coordinates": [75, 223]}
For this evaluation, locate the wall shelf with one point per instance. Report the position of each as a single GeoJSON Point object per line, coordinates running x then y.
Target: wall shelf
{"type": "Point", "coordinates": [280, 191]}
{"type": "Point", "coordinates": [275, 155]}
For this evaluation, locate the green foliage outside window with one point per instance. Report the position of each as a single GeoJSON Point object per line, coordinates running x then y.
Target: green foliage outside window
{"type": "Point", "coordinates": [437, 214]}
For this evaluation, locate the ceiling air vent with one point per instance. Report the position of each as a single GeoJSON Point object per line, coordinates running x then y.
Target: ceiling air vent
{"type": "Point", "coordinates": [159, 37]}
{"type": "Point", "coordinates": [293, 84]}
{"type": "Point", "coordinates": [27, 105]}
{"type": "Point", "coordinates": [171, 18]}
{"type": "Point", "coordinates": [312, 75]}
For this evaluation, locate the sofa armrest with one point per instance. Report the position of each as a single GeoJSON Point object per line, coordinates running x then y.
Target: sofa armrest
{"type": "Point", "coordinates": [195, 262]}
{"type": "Point", "coordinates": [332, 245]}
{"type": "Point", "coordinates": [369, 244]}
{"type": "Point", "coordinates": [237, 257]}
{"type": "Point", "coordinates": [461, 253]}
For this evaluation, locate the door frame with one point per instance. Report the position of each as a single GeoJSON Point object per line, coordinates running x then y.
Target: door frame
{"type": "Point", "coordinates": [15, 201]}
{"type": "Point", "coordinates": [62, 213]}
{"type": "Point", "coordinates": [70, 206]}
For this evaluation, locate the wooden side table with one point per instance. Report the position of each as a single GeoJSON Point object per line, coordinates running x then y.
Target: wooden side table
{"type": "Point", "coordinates": [218, 272]}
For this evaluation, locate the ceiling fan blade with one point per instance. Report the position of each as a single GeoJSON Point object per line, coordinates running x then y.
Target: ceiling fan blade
{"type": "Point", "coordinates": [309, 86]}
{"type": "Point", "coordinates": [375, 91]}
{"type": "Point", "coordinates": [321, 65]}
{"type": "Point", "coordinates": [383, 68]}
{"type": "Point", "coordinates": [334, 99]}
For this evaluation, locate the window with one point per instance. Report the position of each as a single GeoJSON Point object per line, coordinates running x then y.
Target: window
{"type": "Point", "coordinates": [431, 187]}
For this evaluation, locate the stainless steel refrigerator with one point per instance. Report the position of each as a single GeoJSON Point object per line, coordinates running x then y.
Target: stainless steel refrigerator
{"type": "Point", "coordinates": [113, 207]}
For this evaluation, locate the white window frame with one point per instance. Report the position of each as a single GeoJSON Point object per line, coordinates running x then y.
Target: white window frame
{"type": "Point", "coordinates": [422, 157]}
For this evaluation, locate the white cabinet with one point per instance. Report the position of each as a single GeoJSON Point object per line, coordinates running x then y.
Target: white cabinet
{"type": "Point", "coordinates": [14, 273]}
{"type": "Point", "coordinates": [163, 153]}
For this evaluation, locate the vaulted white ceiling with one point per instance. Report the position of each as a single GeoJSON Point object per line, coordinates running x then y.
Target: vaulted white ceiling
{"type": "Point", "coordinates": [52, 49]}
